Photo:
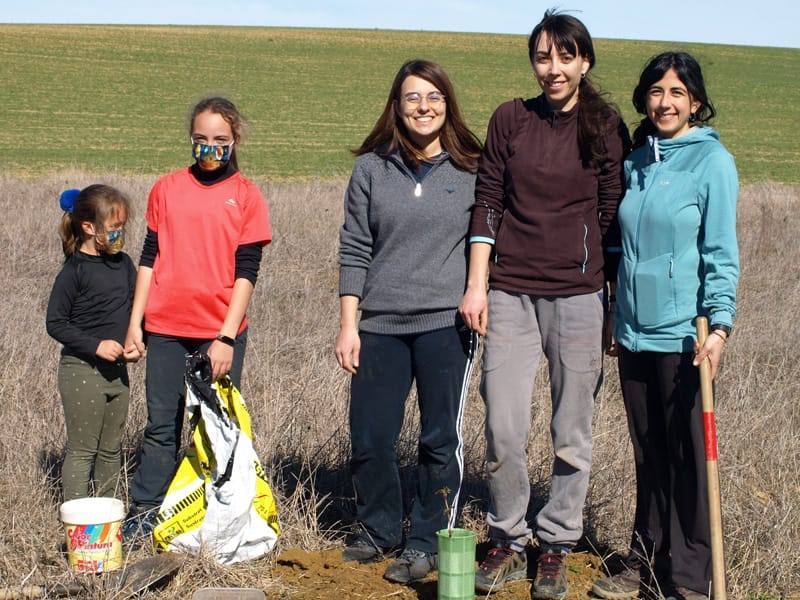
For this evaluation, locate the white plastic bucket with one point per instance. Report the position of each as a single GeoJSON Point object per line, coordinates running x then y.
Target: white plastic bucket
{"type": "Point", "coordinates": [93, 527]}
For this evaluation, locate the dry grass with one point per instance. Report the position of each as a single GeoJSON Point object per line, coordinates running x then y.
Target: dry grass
{"type": "Point", "coordinates": [298, 397]}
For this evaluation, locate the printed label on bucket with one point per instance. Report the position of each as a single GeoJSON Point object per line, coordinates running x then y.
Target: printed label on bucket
{"type": "Point", "coordinates": [95, 548]}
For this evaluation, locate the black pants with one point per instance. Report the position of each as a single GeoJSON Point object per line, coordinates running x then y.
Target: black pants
{"type": "Point", "coordinates": [165, 391]}
{"type": "Point", "coordinates": [661, 392]}
{"type": "Point", "coordinates": [440, 361]}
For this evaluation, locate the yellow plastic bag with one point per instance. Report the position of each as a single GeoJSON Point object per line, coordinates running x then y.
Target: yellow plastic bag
{"type": "Point", "coordinates": [219, 499]}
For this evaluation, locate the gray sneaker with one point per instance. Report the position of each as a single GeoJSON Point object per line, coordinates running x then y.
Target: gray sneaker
{"type": "Point", "coordinates": [681, 593]}
{"type": "Point", "coordinates": [501, 564]}
{"type": "Point", "coordinates": [620, 586]}
{"type": "Point", "coordinates": [362, 551]}
{"type": "Point", "coordinates": [412, 565]}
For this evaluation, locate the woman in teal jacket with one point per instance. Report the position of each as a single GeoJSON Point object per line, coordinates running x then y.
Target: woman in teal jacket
{"type": "Point", "coordinates": [680, 260]}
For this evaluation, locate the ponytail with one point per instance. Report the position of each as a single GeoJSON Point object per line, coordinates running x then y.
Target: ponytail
{"type": "Point", "coordinates": [71, 234]}
{"type": "Point", "coordinates": [595, 119]}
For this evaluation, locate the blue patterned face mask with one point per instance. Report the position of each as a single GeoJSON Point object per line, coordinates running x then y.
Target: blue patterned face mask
{"type": "Point", "coordinates": [115, 240]}
{"type": "Point", "coordinates": [211, 156]}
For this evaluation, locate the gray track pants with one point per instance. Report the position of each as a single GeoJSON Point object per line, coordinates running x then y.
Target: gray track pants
{"type": "Point", "coordinates": [568, 330]}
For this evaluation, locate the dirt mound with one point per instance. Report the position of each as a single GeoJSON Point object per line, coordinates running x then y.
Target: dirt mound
{"type": "Point", "coordinates": [324, 576]}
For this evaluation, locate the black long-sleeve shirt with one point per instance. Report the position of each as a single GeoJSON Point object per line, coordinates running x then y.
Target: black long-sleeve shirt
{"type": "Point", "coordinates": [91, 302]}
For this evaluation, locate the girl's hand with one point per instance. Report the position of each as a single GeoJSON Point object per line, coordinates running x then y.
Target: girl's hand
{"type": "Point", "coordinates": [131, 356]}
{"type": "Point", "coordinates": [109, 350]}
{"type": "Point", "coordinates": [348, 348]}
{"type": "Point", "coordinates": [134, 343]}
{"type": "Point", "coordinates": [712, 349]}
{"type": "Point", "coordinates": [474, 309]}
{"type": "Point", "coordinates": [221, 357]}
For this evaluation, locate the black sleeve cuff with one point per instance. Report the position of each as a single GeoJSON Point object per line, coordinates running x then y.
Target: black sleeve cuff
{"type": "Point", "coordinates": [248, 261]}
{"type": "Point", "coordinates": [149, 249]}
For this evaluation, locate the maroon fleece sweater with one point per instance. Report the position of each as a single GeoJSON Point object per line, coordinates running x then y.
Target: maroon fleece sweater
{"type": "Point", "coordinates": [550, 216]}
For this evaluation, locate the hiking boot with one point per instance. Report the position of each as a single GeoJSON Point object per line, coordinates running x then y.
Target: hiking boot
{"type": "Point", "coordinates": [625, 584]}
{"type": "Point", "coordinates": [501, 564]}
{"type": "Point", "coordinates": [412, 565]}
{"type": "Point", "coordinates": [681, 593]}
{"type": "Point", "coordinates": [551, 577]}
{"type": "Point", "coordinates": [361, 551]}
{"type": "Point", "coordinates": [138, 526]}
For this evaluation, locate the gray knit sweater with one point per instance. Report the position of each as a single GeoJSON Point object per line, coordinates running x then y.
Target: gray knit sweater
{"type": "Point", "coordinates": [403, 244]}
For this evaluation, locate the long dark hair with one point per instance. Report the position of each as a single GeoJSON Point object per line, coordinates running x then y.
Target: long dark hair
{"type": "Point", "coordinates": [228, 111]}
{"type": "Point", "coordinates": [95, 204]}
{"type": "Point", "coordinates": [688, 71]}
{"type": "Point", "coordinates": [595, 113]}
{"type": "Point", "coordinates": [389, 134]}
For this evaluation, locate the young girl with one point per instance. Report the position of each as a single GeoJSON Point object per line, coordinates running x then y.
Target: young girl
{"type": "Point", "coordinates": [549, 182]}
{"type": "Point", "coordinates": [403, 262]}
{"type": "Point", "coordinates": [206, 227]}
{"type": "Point", "coordinates": [88, 312]}
{"type": "Point", "coordinates": [680, 259]}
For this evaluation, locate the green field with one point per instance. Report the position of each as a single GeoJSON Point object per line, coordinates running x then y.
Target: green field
{"type": "Point", "coordinates": [106, 98]}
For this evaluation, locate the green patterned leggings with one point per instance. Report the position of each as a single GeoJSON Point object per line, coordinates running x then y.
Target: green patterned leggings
{"type": "Point", "coordinates": [95, 399]}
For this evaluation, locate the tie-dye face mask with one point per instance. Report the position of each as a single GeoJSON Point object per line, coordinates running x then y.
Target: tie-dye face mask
{"type": "Point", "coordinates": [210, 156]}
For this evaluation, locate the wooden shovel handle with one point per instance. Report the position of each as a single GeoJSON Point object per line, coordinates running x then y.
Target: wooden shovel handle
{"type": "Point", "coordinates": [712, 471]}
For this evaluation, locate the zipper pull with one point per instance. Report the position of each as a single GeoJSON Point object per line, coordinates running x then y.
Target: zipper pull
{"type": "Point", "coordinates": [418, 190]}
{"type": "Point", "coordinates": [671, 263]}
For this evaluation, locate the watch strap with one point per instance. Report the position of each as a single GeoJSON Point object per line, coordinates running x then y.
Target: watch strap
{"type": "Point", "coordinates": [226, 340]}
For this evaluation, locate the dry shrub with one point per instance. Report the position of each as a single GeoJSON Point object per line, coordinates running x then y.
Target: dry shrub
{"type": "Point", "coordinates": [298, 396]}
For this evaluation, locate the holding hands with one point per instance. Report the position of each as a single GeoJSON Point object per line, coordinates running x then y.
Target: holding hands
{"type": "Point", "coordinates": [134, 349]}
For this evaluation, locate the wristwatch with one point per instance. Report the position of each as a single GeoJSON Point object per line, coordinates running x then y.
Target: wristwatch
{"type": "Point", "coordinates": [720, 327]}
{"type": "Point", "coordinates": [226, 340]}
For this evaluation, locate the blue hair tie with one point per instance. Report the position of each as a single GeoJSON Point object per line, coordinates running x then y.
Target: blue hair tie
{"type": "Point", "coordinates": [67, 200]}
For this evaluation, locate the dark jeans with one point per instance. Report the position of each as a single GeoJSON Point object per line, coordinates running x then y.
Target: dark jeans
{"type": "Point", "coordinates": [165, 390]}
{"type": "Point", "coordinates": [440, 361]}
{"type": "Point", "coordinates": [661, 392]}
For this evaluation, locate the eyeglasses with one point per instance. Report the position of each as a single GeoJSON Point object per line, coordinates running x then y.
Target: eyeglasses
{"type": "Point", "coordinates": [432, 97]}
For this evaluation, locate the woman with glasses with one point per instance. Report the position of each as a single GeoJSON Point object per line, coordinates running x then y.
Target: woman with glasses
{"type": "Point", "coordinates": [403, 264]}
{"type": "Point", "coordinates": [548, 187]}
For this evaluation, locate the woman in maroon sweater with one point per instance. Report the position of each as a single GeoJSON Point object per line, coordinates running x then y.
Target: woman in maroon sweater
{"type": "Point", "coordinates": [549, 183]}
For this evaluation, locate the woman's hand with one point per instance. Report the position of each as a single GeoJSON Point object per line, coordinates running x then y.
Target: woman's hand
{"type": "Point", "coordinates": [221, 357]}
{"type": "Point", "coordinates": [109, 350]}
{"type": "Point", "coordinates": [348, 348]}
{"type": "Point", "coordinates": [609, 343]}
{"type": "Point", "coordinates": [712, 349]}
{"type": "Point", "coordinates": [474, 309]}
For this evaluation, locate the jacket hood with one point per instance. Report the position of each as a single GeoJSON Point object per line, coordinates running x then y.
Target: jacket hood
{"type": "Point", "coordinates": [661, 149]}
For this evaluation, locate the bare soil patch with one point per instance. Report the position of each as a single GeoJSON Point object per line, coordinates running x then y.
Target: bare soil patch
{"type": "Point", "coordinates": [324, 576]}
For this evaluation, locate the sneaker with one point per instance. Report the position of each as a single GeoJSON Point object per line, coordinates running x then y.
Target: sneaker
{"type": "Point", "coordinates": [625, 584]}
{"type": "Point", "coordinates": [551, 577]}
{"type": "Point", "coordinates": [138, 526]}
{"type": "Point", "coordinates": [361, 551]}
{"type": "Point", "coordinates": [681, 593]}
{"type": "Point", "coordinates": [501, 564]}
{"type": "Point", "coordinates": [412, 565]}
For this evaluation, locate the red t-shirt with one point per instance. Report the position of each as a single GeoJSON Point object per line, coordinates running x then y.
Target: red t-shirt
{"type": "Point", "coordinates": [199, 229]}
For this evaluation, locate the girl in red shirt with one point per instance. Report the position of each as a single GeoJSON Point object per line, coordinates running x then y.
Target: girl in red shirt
{"type": "Point", "coordinates": [206, 227]}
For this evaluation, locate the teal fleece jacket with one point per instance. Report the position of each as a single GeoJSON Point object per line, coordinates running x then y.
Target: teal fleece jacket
{"type": "Point", "coordinates": [680, 257]}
